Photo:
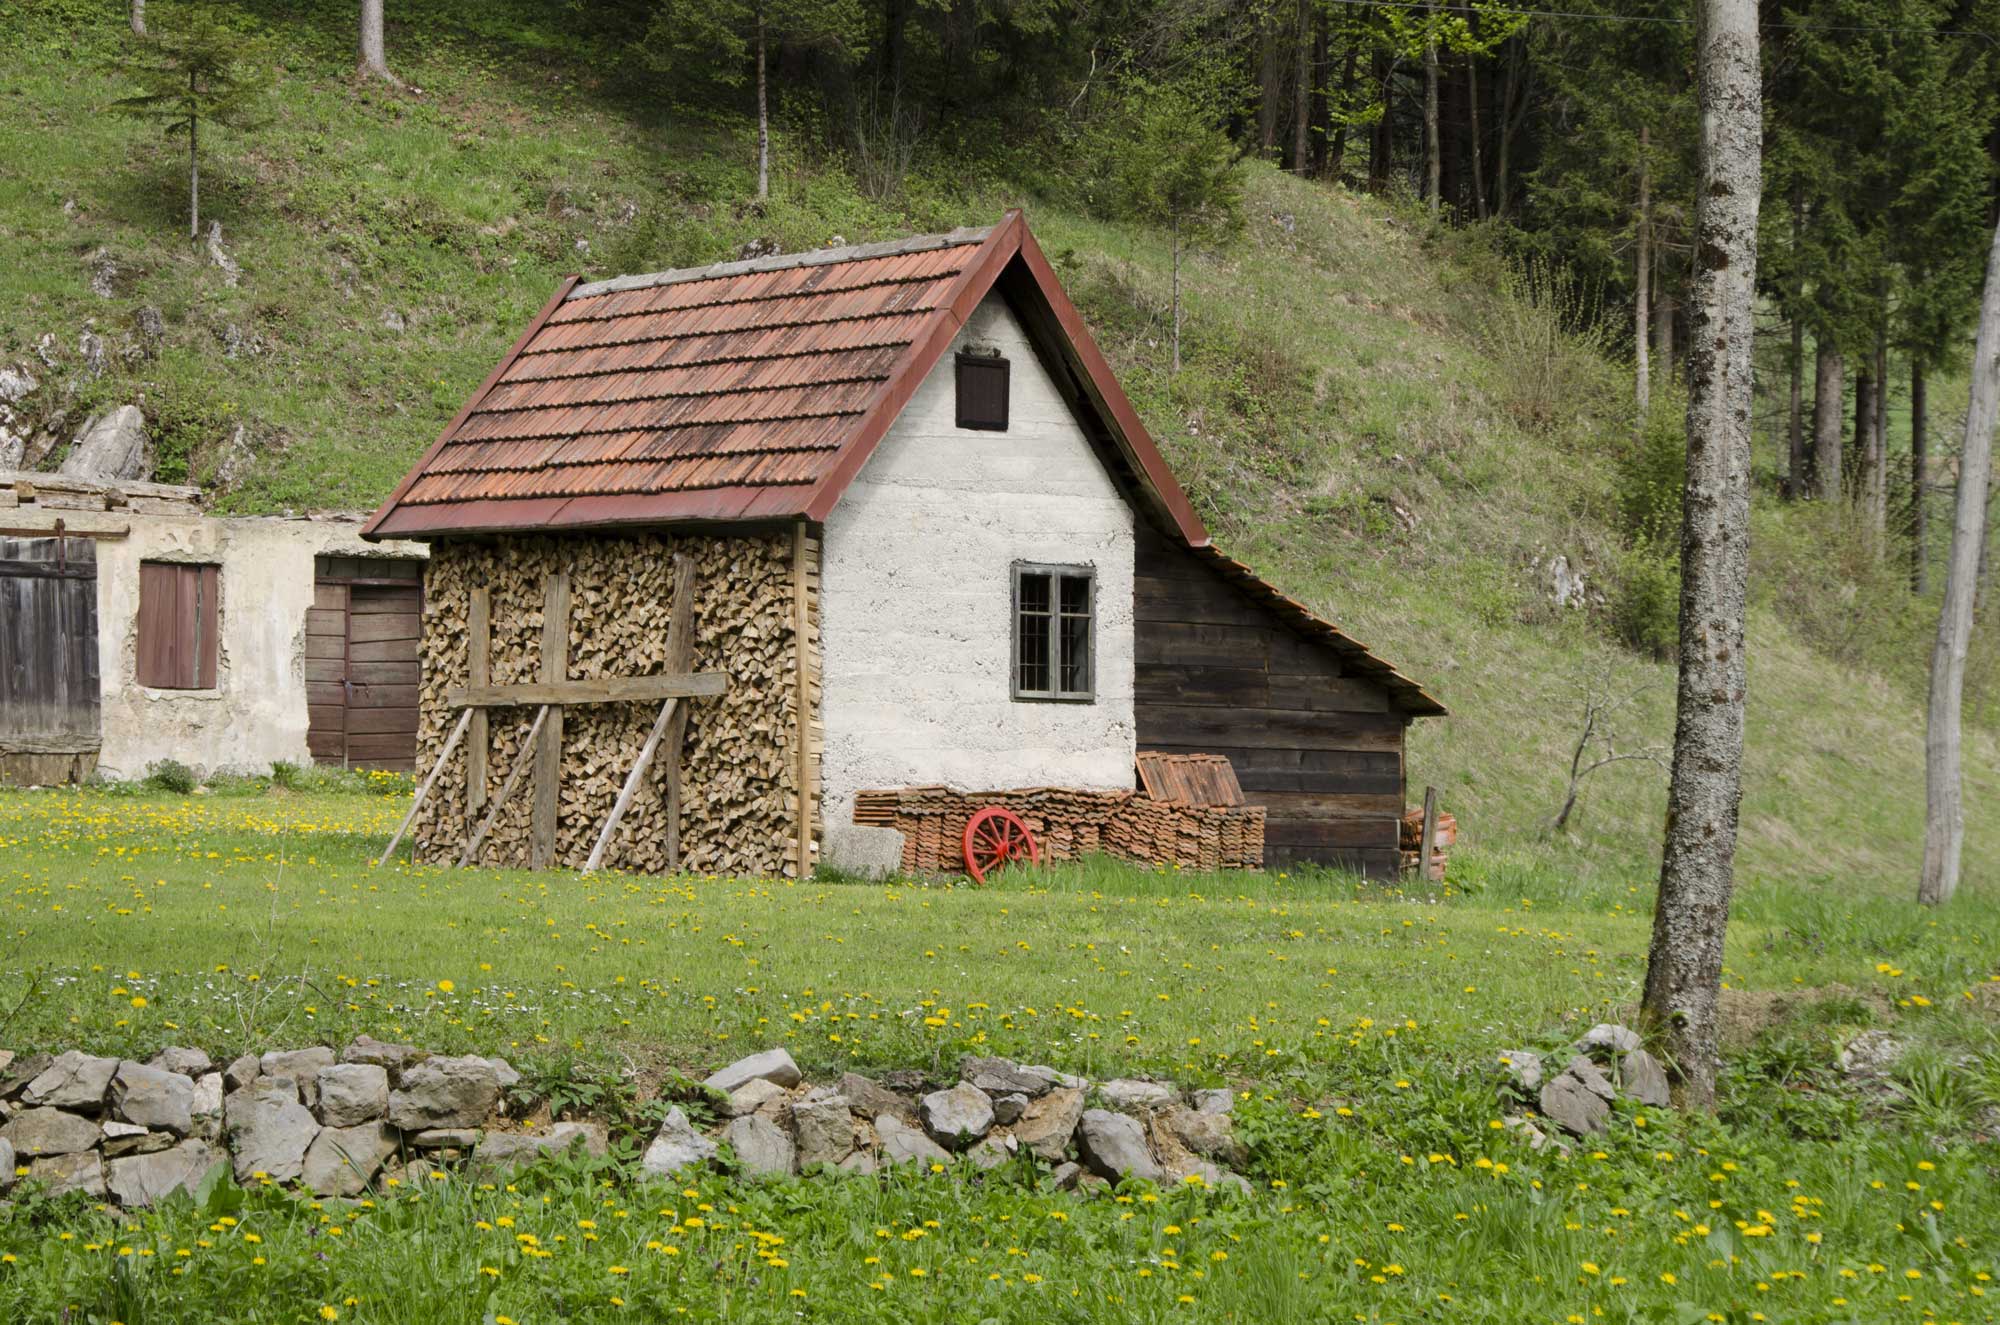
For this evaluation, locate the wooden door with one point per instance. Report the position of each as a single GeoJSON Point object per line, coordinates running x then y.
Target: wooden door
{"type": "Point", "coordinates": [362, 672]}
{"type": "Point", "coordinates": [50, 710]}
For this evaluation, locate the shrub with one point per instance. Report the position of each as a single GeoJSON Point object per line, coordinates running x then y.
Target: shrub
{"type": "Point", "coordinates": [171, 775]}
{"type": "Point", "coordinates": [1645, 600]}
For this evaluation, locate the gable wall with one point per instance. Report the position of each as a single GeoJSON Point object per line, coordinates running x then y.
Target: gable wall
{"type": "Point", "coordinates": [916, 608]}
{"type": "Point", "coordinates": [1320, 750]}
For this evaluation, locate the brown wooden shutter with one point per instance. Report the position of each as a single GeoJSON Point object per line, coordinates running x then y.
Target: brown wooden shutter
{"type": "Point", "coordinates": [179, 624]}
{"type": "Point", "coordinates": [982, 392]}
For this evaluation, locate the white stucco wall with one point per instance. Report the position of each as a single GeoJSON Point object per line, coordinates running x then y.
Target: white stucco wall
{"type": "Point", "coordinates": [257, 711]}
{"type": "Point", "coordinates": [917, 589]}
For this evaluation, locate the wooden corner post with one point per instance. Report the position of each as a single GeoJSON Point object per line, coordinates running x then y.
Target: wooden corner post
{"type": "Point", "coordinates": [542, 824]}
{"type": "Point", "coordinates": [805, 575]}
{"type": "Point", "coordinates": [478, 670]}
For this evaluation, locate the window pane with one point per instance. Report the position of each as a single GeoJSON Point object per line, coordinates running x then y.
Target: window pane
{"type": "Point", "coordinates": [1034, 593]}
{"type": "Point", "coordinates": [1075, 654]}
{"type": "Point", "coordinates": [1031, 631]}
{"type": "Point", "coordinates": [1076, 594]}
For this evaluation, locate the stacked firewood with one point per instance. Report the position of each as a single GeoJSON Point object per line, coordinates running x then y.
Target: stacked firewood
{"type": "Point", "coordinates": [1069, 823]}
{"type": "Point", "coordinates": [739, 769]}
{"type": "Point", "coordinates": [1412, 841]}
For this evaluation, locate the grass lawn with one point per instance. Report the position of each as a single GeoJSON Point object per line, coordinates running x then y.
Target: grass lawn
{"type": "Point", "coordinates": [1358, 1024]}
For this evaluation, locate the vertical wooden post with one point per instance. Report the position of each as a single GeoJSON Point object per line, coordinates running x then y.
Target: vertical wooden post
{"type": "Point", "coordinates": [542, 823]}
{"type": "Point", "coordinates": [1428, 847]}
{"type": "Point", "coordinates": [478, 668]}
{"type": "Point", "coordinates": [808, 767]}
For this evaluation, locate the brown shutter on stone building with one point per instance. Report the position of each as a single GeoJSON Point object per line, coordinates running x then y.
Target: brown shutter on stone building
{"type": "Point", "coordinates": [178, 625]}
{"type": "Point", "coordinates": [982, 392]}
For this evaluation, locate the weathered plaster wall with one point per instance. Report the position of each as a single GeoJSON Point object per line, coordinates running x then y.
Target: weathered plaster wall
{"type": "Point", "coordinates": [257, 711]}
{"type": "Point", "coordinates": [917, 592]}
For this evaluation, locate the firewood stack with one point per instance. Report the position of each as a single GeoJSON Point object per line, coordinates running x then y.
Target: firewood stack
{"type": "Point", "coordinates": [740, 766]}
{"type": "Point", "coordinates": [1069, 823]}
{"type": "Point", "coordinates": [1412, 841]}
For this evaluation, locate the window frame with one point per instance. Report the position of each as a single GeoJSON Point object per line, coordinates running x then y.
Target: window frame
{"type": "Point", "coordinates": [984, 363]}
{"type": "Point", "coordinates": [183, 598]}
{"type": "Point", "coordinates": [1056, 573]}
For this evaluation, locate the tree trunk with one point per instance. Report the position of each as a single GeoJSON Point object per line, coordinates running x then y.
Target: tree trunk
{"type": "Point", "coordinates": [139, 17]}
{"type": "Point", "coordinates": [1177, 296]}
{"type": "Point", "coordinates": [1472, 113]}
{"type": "Point", "coordinates": [1270, 81]}
{"type": "Point", "coordinates": [1508, 115]}
{"type": "Point", "coordinates": [194, 173]}
{"type": "Point", "coordinates": [895, 19]}
{"type": "Point", "coordinates": [1944, 810]}
{"type": "Point", "coordinates": [1336, 153]}
{"type": "Point", "coordinates": [1829, 384]}
{"type": "Point", "coordinates": [1663, 329]}
{"type": "Point", "coordinates": [1382, 142]}
{"type": "Point", "coordinates": [1434, 157]}
{"type": "Point", "coordinates": [1796, 480]}
{"type": "Point", "coordinates": [1697, 867]}
{"type": "Point", "coordinates": [1920, 445]}
{"type": "Point", "coordinates": [1878, 442]}
{"type": "Point", "coordinates": [1642, 287]}
{"type": "Point", "coordinates": [1302, 92]}
{"type": "Point", "coordinates": [371, 62]}
{"type": "Point", "coordinates": [763, 117]}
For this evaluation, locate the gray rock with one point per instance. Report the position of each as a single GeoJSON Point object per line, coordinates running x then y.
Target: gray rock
{"type": "Point", "coordinates": [1007, 1109]}
{"type": "Point", "coordinates": [500, 1153]}
{"type": "Point", "coordinates": [73, 1081]}
{"type": "Point", "coordinates": [759, 1096]}
{"type": "Point", "coordinates": [1574, 1107]}
{"type": "Point", "coordinates": [1066, 1175]}
{"type": "Point", "coordinates": [993, 1151]}
{"type": "Point", "coordinates": [351, 1094]}
{"type": "Point", "coordinates": [153, 1097]}
{"type": "Point", "coordinates": [1644, 1079]}
{"type": "Point", "coordinates": [186, 1062]}
{"type": "Point", "coordinates": [81, 1171]}
{"type": "Point", "coordinates": [241, 1072]}
{"type": "Point", "coordinates": [1055, 1078]}
{"type": "Point", "coordinates": [342, 1161]}
{"type": "Point", "coordinates": [1591, 1077]}
{"type": "Point", "coordinates": [1130, 1096]}
{"type": "Point", "coordinates": [902, 1143]}
{"type": "Point", "coordinates": [131, 1139]}
{"type": "Point", "coordinates": [760, 1145]}
{"type": "Point", "coordinates": [219, 256]}
{"type": "Point", "coordinates": [1049, 1123]}
{"type": "Point", "coordinates": [446, 1138]}
{"type": "Point", "coordinates": [207, 1101]}
{"type": "Point", "coordinates": [103, 272]}
{"type": "Point", "coordinates": [504, 1073]}
{"type": "Point", "coordinates": [1523, 1067]}
{"type": "Point", "coordinates": [1211, 1175]}
{"type": "Point", "coordinates": [869, 1097]}
{"type": "Point", "coordinates": [111, 446]}
{"type": "Point", "coordinates": [7, 1164]}
{"type": "Point", "coordinates": [860, 1162]}
{"type": "Point", "coordinates": [301, 1065]}
{"type": "Point", "coordinates": [1219, 1100]}
{"type": "Point", "coordinates": [866, 851]}
{"type": "Point", "coordinates": [773, 1065]}
{"type": "Point", "coordinates": [957, 1117]}
{"type": "Point", "coordinates": [824, 1128]}
{"type": "Point", "coordinates": [14, 1078]}
{"type": "Point", "coordinates": [1871, 1054]}
{"type": "Point", "coordinates": [393, 320]}
{"type": "Point", "coordinates": [1002, 1076]}
{"type": "Point", "coordinates": [1210, 1135]}
{"type": "Point", "coordinates": [268, 1130]}
{"type": "Point", "coordinates": [46, 1131]}
{"type": "Point", "coordinates": [444, 1092]}
{"type": "Point", "coordinates": [1112, 1145]}
{"type": "Point", "coordinates": [150, 1178]}
{"type": "Point", "coordinates": [90, 348]}
{"type": "Point", "coordinates": [1609, 1036]}
{"type": "Point", "coordinates": [677, 1146]}
{"type": "Point", "coordinates": [151, 325]}
{"type": "Point", "coordinates": [379, 1053]}
{"type": "Point", "coordinates": [17, 382]}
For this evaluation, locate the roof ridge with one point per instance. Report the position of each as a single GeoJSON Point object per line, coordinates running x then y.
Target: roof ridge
{"type": "Point", "coordinates": [781, 261]}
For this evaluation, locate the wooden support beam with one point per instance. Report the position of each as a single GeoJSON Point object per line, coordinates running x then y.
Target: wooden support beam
{"type": "Point", "coordinates": [543, 823]}
{"type": "Point", "coordinates": [451, 743]}
{"type": "Point", "coordinates": [528, 755]}
{"type": "Point", "coordinates": [478, 668]}
{"type": "Point", "coordinates": [807, 767]}
{"type": "Point", "coordinates": [1428, 846]}
{"type": "Point", "coordinates": [601, 690]}
{"type": "Point", "coordinates": [680, 657]}
{"type": "Point", "coordinates": [631, 787]}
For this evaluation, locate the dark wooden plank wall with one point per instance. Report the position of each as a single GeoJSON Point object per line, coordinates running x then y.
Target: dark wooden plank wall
{"type": "Point", "coordinates": [1218, 674]}
{"type": "Point", "coordinates": [362, 673]}
{"type": "Point", "coordinates": [49, 701]}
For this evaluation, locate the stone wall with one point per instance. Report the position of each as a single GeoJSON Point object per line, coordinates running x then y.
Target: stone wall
{"type": "Point", "coordinates": [739, 767]}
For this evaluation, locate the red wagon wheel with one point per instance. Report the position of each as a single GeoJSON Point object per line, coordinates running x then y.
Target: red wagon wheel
{"type": "Point", "coordinates": [994, 837]}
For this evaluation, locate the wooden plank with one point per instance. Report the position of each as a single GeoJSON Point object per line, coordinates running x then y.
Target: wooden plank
{"type": "Point", "coordinates": [1197, 601]}
{"type": "Point", "coordinates": [802, 655]}
{"type": "Point", "coordinates": [530, 755]}
{"type": "Point", "coordinates": [1380, 833]}
{"type": "Point", "coordinates": [478, 669]}
{"type": "Point", "coordinates": [544, 821]}
{"type": "Point", "coordinates": [598, 690]}
{"type": "Point", "coordinates": [327, 597]}
{"type": "Point", "coordinates": [324, 669]}
{"type": "Point", "coordinates": [380, 721]}
{"type": "Point", "coordinates": [389, 650]}
{"type": "Point", "coordinates": [401, 671]}
{"type": "Point", "coordinates": [450, 744]}
{"type": "Point", "coordinates": [1218, 729]}
{"type": "Point", "coordinates": [680, 657]}
{"type": "Point", "coordinates": [370, 629]}
{"type": "Point", "coordinates": [1427, 844]}
{"type": "Point", "coordinates": [392, 697]}
{"type": "Point", "coordinates": [1373, 863]}
{"type": "Point", "coordinates": [324, 719]}
{"type": "Point", "coordinates": [325, 621]}
{"type": "Point", "coordinates": [208, 618]}
{"type": "Point", "coordinates": [631, 787]}
{"type": "Point", "coordinates": [1188, 645]}
{"type": "Point", "coordinates": [381, 749]}
{"type": "Point", "coordinates": [333, 647]}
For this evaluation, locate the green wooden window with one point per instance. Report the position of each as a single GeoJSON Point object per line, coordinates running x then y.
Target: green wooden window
{"type": "Point", "coordinates": [1055, 632]}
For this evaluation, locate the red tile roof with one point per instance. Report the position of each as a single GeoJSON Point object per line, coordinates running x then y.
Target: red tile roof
{"type": "Point", "coordinates": [745, 391]}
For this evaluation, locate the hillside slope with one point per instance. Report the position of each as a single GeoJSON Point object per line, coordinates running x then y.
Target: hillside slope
{"type": "Point", "coordinates": [1374, 413]}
